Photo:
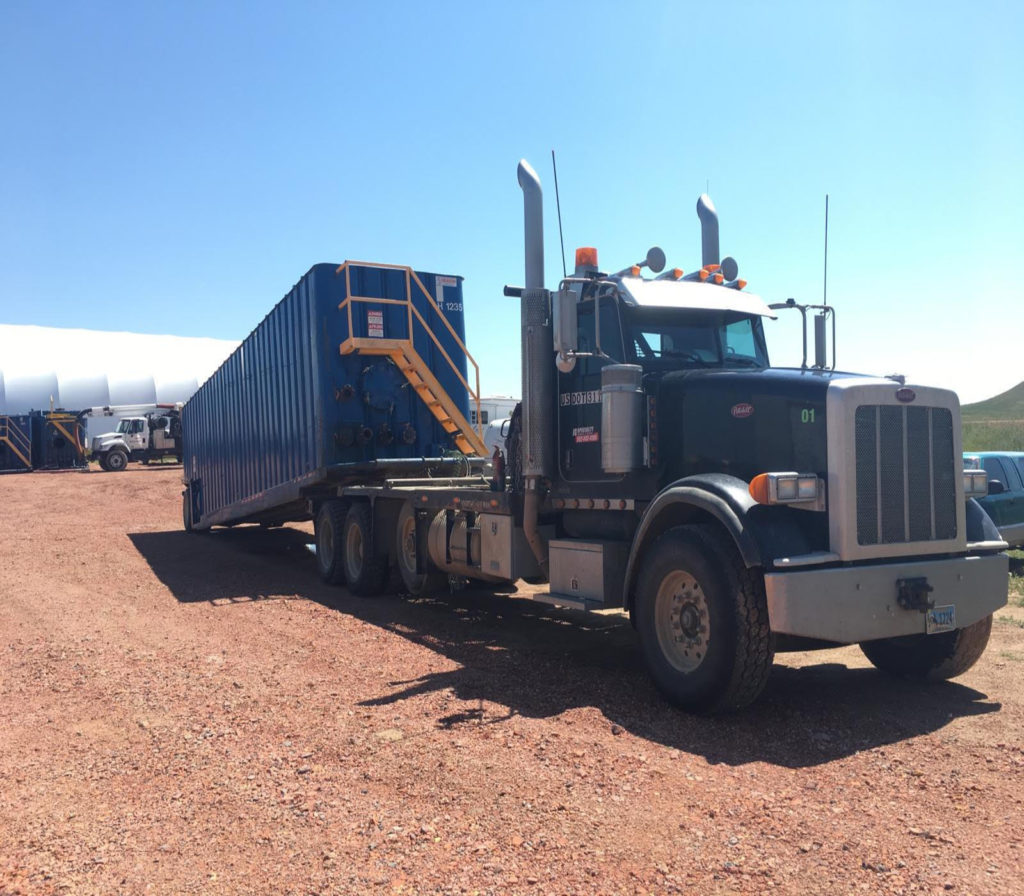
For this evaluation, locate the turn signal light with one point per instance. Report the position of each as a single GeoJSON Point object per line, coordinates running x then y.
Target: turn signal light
{"type": "Point", "coordinates": [586, 257]}
{"type": "Point", "coordinates": [711, 268]}
{"type": "Point", "coordinates": [718, 278]}
{"type": "Point", "coordinates": [703, 276]}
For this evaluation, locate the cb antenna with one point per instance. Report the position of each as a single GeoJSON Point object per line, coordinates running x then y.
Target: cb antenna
{"type": "Point", "coordinates": [558, 205]}
{"type": "Point", "coordinates": [824, 285]}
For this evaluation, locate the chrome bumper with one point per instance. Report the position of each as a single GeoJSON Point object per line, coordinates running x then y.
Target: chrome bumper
{"type": "Point", "coordinates": [859, 603]}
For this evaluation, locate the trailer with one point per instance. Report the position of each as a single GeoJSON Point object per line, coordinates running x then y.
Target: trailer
{"type": "Point", "coordinates": [42, 440]}
{"type": "Point", "coordinates": [658, 463]}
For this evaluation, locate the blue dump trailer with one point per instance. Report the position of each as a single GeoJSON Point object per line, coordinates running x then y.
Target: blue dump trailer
{"type": "Point", "coordinates": [41, 440]}
{"type": "Point", "coordinates": [359, 374]}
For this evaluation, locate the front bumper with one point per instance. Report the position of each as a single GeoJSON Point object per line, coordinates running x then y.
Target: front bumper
{"type": "Point", "coordinates": [859, 603]}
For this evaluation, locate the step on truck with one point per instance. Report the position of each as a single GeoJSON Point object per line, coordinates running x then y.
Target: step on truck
{"type": "Point", "coordinates": [658, 463]}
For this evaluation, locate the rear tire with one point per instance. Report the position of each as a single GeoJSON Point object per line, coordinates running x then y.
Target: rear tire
{"type": "Point", "coordinates": [365, 573]}
{"type": "Point", "coordinates": [328, 528]}
{"type": "Point", "coordinates": [930, 657]}
{"type": "Point", "coordinates": [416, 583]}
{"type": "Point", "coordinates": [702, 618]}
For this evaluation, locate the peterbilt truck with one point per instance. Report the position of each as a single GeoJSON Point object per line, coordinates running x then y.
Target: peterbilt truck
{"type": "Point", "coordinates": [658, 463]}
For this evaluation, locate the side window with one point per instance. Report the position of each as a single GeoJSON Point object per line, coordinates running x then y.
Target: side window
{"type": "Point", "coordinates": [1012, 480]}
{"type": "Point", "coordinates": [611, 334]}
{"type": "Point", "coordinates": [739, 339]}
{"type": "Point", "coordinates": [1020, 467]}
{"type": "Point", "coordinates": [994, 469]}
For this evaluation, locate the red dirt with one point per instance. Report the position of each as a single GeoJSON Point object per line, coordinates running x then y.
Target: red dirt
{"type": "Point", "coordinates": [199, 714]}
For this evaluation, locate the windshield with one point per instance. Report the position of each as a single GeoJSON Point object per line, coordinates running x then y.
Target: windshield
{"type": "Point", "coordinates": [124, 426]}
{"type": "Point", "coordinates": [668, 338]}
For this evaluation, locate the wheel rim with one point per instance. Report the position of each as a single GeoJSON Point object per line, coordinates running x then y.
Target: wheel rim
{"type": "Point", "coordinates": [116, 461]}
{"type": "Point", "coordinates": [682, 621]}
{"type": "Point", "coordinates": [407, 545]}
{"type": "Point", "coordinates": [325, 542]}
{"type": "Point", "coordinates": [354, 551]}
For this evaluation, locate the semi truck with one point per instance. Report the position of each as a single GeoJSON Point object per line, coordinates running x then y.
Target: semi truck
{"type": "Point", "coordinates": [658, 464]}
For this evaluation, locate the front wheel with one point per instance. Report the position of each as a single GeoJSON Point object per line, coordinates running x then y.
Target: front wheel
{"type": "Point", "coordinates": [117, 460]}
{"type": "Point", "coordinates": [702, 618]}
{"type": "Point", "coordinates": [930, 657]}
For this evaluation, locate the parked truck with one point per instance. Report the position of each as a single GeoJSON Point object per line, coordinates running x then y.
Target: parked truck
{"type": "Point", "coordinates": [150, 436]}
{"type": "Point", "coordinates": [658, 463]}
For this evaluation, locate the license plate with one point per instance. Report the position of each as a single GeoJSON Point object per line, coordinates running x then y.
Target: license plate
{"type": "Point", "coordinates": [940, 619]}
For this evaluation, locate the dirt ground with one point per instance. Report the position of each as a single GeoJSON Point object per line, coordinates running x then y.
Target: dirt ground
{"type": "Point", "coordinates": [199, 714]}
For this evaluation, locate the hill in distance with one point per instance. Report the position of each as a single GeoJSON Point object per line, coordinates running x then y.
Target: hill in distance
{"type": "Point", "coordinates": [1007, 406]}
{"type": "Point", "coordinates": [996, 424]}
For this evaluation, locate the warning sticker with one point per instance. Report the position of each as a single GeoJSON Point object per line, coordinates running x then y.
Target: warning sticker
{"type": "Point", "coordinates": [583, 434]}
{"type": "Point", "coordinates": [375, 324]}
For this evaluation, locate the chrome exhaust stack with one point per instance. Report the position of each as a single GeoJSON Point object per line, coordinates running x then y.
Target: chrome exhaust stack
{"type": "Point", "coordinates": [709, 252]}
{"type": "Point", "coordinates": [538, 370]}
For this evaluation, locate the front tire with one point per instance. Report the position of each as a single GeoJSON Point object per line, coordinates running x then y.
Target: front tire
{"type": "Point", "coordinates": [702, 618]}
{"type": "Point", "coordinates": [364, 571]}
{"type": "Point", "coordinates": [930, 657]}
{"type": "Point", "coordinates": [117, 460]}
{"type": "Point", "coordinates": [330, 522]}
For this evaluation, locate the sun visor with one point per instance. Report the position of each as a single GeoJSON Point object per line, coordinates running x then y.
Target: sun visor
{"type": "Point", "coordinates": [691, 294]}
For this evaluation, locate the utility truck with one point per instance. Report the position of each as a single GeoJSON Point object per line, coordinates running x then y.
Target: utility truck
{"type": "Point", "coordinates": [658, 463]}
{"type": "Point", "coordinates": [151, 436]}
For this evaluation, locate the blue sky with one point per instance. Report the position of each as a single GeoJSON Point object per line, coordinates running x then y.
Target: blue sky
{"type": "Point", "coordinates": [175, 168]}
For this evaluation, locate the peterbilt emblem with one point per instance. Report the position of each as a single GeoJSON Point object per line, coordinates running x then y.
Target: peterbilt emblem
{"type": "Point", "coordinates": [905, 395]}
{"type": "Point", "coordinates": [742, 410]}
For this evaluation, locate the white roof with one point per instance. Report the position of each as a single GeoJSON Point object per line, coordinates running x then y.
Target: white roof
{"type": "Point", "coordinates": [79, 368]}
{"type": "Point", "coordinates": [691, 294]}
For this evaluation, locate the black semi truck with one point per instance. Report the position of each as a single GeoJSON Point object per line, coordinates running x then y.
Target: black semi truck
{"type": "Point", "coordinates": [659, 463]}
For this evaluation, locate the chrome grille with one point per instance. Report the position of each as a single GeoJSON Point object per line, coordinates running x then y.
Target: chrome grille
{"type": "Point", "coordinates": [906, 474]}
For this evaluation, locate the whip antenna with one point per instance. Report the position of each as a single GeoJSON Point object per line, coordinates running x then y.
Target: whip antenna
{"type": "Point", "coordinates": [558, 205]}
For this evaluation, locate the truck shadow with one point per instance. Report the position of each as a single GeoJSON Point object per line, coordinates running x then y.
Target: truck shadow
{"type": "Point", "coordinates": [538, 661]}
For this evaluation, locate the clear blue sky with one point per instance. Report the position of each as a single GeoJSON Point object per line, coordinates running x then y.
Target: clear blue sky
{"type": "Point", "coordinates": [176, 167]}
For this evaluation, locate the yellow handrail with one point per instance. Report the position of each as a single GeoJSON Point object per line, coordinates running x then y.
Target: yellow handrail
{"type": "Point", "coordinates": [20, 443]}
{"type": "Point", "coordinates": [411, 275]}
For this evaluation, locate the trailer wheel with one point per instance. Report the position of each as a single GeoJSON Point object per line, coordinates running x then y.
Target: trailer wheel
{"type": "Point", "coordinates": [930, 657]}
{"type": "Point", "coordinates": [702, 618]}
{"type": "Point", "coordinates": [416, 583]}
{"type": "Point", "coordinates": [117, 460]}
{"type": "Point", "coordinates": [365, 572]}
{"type": "Point", "coordinates": [329, 525]}
{"type": "Point", "coordinates": [186, 514]}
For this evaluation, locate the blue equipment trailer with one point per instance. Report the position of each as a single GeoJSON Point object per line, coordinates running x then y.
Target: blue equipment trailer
{"type": "Point", "coordinates": [358, 374]}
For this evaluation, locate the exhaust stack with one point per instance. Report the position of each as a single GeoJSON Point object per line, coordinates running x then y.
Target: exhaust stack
{"type": "Point", "coordinates": [538, 367]}
{"type": "Point", "coordinates": [709, 252]}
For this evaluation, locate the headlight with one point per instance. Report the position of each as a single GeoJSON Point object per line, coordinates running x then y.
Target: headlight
{"type": "Point", "coordinates": [803, 490]}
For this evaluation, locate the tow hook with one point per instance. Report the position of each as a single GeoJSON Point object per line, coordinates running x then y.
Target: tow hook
{"type": "Point", "coordinates": [912, 594]}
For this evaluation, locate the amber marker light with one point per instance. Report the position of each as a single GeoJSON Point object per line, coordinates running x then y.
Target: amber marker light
{"type": "Point", "coordinates": [586, 256]}
{"type": "Point", "coordinates": [758, 488]}
{"type": "Point", "coordinates": [635, 270]}
{"type": "Point", "coordinates": [711, 268]}
{"type": "Point", "coordinates": [704, 275]}
{"type": "Point", "coordinates": [677, 273]}
{"type": "Point", "coordinates": [718, 278]}
{"type": "Point", "coordinates": [740, 284]}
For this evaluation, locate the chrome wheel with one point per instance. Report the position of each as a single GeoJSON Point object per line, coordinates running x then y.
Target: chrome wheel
{"type": "Point", "coordinates": [683, 621]}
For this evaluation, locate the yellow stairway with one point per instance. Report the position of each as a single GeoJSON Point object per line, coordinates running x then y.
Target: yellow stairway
{"type": "Point", "coordinates": [16, 440]}
{"type": "Point", "coordinates": [468, 439]}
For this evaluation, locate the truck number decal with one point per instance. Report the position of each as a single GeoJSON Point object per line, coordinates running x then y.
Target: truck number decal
{"type": "Point", "coordinates": [807, 415]}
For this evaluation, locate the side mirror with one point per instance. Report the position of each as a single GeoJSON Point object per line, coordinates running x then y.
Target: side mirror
{"type": "Point", "coordinates": [565, 329]}
{"type": "Point", "coordinates": [995, 487]}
